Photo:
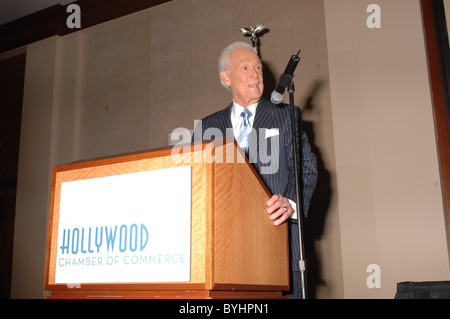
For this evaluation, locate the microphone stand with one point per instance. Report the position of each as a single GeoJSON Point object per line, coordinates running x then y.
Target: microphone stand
{"type": "Point", "coordinates": [298, 186]}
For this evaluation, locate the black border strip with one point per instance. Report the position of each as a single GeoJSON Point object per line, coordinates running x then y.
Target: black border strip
{"type": "Point", "coordinates": [52, 21]}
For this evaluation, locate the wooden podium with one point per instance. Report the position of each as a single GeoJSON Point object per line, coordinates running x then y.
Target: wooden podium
{"type": "Point", "coordinates": [235, 250]}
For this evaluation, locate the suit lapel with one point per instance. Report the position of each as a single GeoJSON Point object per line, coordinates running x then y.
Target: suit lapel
{"type": "Point", "coordinates": [264, 115]}
{"type": "Point", "coordinates": [264, 119]}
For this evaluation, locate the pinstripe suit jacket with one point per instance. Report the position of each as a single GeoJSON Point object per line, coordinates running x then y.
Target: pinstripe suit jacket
{"type": "Point", "coordinates": [282, 180]}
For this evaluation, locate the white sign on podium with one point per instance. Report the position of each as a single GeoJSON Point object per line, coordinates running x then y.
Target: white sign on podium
{"type": "Point", "coordinates": [130, 228]}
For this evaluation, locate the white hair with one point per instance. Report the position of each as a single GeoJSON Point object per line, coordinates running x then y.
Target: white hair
{"type": "Point", "coordinates": [224, 59]}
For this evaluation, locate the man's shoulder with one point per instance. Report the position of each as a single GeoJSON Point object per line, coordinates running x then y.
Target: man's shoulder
{"type": "Point", "coordinates": [281, 108]}
{"type": "Point", "coordinates": [220, 116]}
{"type": "Point", "coordinates": [217, 114]}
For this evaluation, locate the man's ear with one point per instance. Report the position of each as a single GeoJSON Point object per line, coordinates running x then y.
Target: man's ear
{"type": "Point", "coordinates": [225, 78]}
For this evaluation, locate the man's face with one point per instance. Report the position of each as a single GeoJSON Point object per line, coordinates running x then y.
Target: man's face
{"type": "Point", "coordinates": [245, 77]}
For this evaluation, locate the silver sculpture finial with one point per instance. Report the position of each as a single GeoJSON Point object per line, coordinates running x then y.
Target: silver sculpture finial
{"type": "Point", "coordinates": [253, 31]}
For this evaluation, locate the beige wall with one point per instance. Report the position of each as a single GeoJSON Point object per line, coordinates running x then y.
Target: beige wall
{"type": "Point", "coordinates": [126, 84]}
{"type": "Point", "coordinates": [35, 160]}
{"type": "Point", "coordinates": [390, 202]}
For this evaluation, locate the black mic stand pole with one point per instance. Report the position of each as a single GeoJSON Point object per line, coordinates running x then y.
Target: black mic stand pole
{"type": "Point", "coordinates": [298, 187]}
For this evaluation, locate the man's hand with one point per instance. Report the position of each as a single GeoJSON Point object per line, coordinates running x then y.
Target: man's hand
{"type": "Point", "coordinates": [279, 208]}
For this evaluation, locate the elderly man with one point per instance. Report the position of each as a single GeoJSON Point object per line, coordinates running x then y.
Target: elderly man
{"type": "Point", "coordinates": [240, 71]}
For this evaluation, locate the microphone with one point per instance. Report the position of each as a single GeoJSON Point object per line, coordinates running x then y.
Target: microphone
{"type": "Point", "coordinates": [278, 94]}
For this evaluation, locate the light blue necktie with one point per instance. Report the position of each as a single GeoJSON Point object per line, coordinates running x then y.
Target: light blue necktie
{"type": "Point", "coordinates": [244, 131]}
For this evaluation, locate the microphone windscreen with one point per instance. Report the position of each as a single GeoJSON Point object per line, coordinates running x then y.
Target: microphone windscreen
{"type": "Point", "coordinates": [276, 97]}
